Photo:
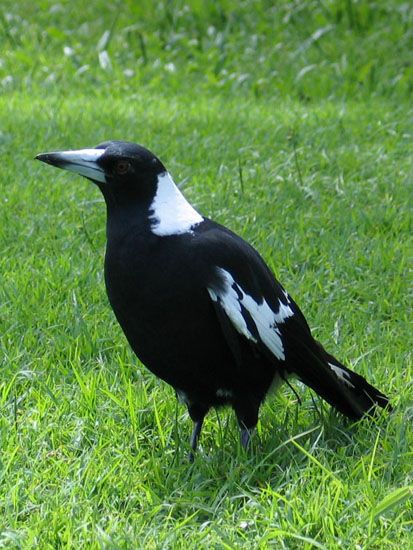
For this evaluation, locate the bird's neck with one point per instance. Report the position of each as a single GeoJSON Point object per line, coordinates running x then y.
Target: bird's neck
{"type": "Point", "coordinates": [170, 213]}
{"type": "Point", "coordinates": [164, 212]}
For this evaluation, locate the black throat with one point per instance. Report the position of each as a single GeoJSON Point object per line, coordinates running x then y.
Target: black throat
{"type": "Point", "coordinates": [128, 206]}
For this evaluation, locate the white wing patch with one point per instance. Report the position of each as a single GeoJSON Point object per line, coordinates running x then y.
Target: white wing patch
{"type": "Point", "coordinates": [170, 212]}
{"type": "Point", "coordinates": [341, 374]}
{"type": "Point", "coordinates": [233, 299]}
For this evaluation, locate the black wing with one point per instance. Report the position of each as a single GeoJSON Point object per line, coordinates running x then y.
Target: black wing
{"type": "Point", "coordinates": [251, 303]}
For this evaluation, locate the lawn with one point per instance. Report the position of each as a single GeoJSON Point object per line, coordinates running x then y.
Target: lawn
{"type": "Point", "coordinates": [291, 123]}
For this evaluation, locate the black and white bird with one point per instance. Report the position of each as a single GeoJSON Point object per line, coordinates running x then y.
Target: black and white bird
{"type": "Point", "coordinates": [198, 305]}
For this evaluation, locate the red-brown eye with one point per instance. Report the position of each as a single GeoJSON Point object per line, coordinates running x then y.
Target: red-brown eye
{"type": "Point", "coordinates": [122, 167]}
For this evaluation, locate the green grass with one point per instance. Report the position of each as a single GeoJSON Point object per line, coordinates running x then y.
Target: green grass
{"type": "Point", "coordinates": [290, 124]}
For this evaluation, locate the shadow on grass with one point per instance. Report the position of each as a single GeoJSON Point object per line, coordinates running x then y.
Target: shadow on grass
{"type": "Point", "coordinates": [282, 449]}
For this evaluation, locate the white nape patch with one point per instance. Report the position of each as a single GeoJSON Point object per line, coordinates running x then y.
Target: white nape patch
{"type": "Point", "coordinates": [83, 162]}
{"type": "Point", "coordinates": [341, 374]}
{"type": "Point", "coordinates": [233, 299]}
{"type": "Point", "coordinates": [170, 212]}
{"type": "Point", "coordinates": [224, 393]}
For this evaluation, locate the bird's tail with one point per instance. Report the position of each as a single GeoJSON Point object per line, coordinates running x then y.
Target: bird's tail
{"type": "Point", "coordinates": [362, 396]}
{"type": "Point", "coordinates": [344, 389]}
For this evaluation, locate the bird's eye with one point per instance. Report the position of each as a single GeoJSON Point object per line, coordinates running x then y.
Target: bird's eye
{"type": "Point", "coordinates": [122, 166]}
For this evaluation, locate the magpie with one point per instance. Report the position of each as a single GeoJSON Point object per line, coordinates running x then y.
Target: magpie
{"type": "Point", "coordinates": [198, 304]}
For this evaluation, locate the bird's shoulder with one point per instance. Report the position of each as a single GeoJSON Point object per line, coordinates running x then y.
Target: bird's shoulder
{"type": "Point", "coordinates": [222, 249]}
{"type": "Point", "coordinates": [229, 260]}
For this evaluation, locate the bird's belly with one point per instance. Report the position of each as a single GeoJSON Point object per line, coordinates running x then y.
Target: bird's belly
{"type": "Point", "coordinates": [173, 332]}
{"type": "Point", "coordinates": [170, 322]}
{"type": "Point", "coordinates": [178, 337]}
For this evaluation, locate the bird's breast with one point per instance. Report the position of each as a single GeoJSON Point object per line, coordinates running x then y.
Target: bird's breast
{"type": "Point", "coordinates": [158, 297]}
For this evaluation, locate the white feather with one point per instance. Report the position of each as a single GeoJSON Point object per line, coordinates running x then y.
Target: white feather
{"type": "Point", "coordinates": [182, 397]}
{"type": "Point", "coordinates": [170, 212]}
{"type": "Point", "coordinates": [265, 319]}
{"type": "Point", "coordinates": [341, 374]}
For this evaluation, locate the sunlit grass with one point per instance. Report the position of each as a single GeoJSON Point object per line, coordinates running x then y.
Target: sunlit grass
{"type": "Point", "coordinates": [93, 447]}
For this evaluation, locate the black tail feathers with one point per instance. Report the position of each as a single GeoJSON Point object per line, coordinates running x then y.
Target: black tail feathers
{"type": "Point", "coordinates": [356, 397]}
{"type": "Point", "coordinates": [345, 390]}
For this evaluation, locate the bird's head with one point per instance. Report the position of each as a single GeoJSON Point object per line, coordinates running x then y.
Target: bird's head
{"type": "Point", "coordinates": [134, 183]}
{"type": "Point", "coordinates": [117, 167]}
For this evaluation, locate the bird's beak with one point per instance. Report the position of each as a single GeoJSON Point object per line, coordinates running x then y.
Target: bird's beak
{"type": "Point", "coordinates": [83, 162]}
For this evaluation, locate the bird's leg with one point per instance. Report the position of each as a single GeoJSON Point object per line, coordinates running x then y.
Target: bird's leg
{"type": "Point", "coordinates": [197, 413]}
{"type": "Point", "coordinates": [246, 436]}
{"type": "Point", "coordinates": [196, 432]}
{"type": "Point", "coordinates": [247, 416]}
